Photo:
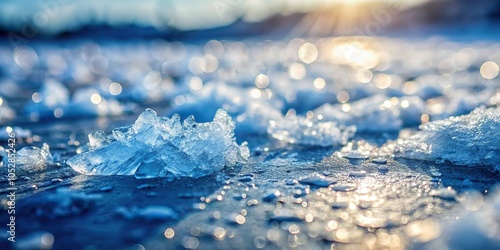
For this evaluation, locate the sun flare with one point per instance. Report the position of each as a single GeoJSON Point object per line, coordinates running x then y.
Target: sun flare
{"type": "Point", "coordinates": [347, 17]}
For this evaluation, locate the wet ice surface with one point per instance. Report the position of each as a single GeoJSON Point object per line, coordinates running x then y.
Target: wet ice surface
{"type": "Point", "coordinates": [330, 162]}
{"type": "Point", "coordinates": [277, 200]}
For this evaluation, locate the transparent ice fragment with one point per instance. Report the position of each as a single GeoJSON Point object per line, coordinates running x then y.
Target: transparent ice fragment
{"type": "Point", "coordinates": [34, 157]}
{"type": "Point", "coordinates": [160, 146]}
{"type": "Point", "coordinates": [98, 139]}
{"type": "Point", "coordinates": [115, 158]}
{"type": "Point", "coordinates": [123, 134]}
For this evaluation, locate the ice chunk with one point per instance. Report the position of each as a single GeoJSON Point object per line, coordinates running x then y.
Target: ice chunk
{"type": "Point", "coordinates": [471, 140]}
{"type": "Point", "coordinates": [375, 114]}
{"type": "Point", "coordinates": [98, 139]}
{"type": "Point", "coordinates": [34, 157]}
{"type": "Point", "coordinates": [301, 130]}
{"type": "Point", "coordinates": [159, 146]}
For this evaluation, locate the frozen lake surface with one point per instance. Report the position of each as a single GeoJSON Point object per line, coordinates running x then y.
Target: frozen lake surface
{"type": "Point", "coordinates": [345, 142]}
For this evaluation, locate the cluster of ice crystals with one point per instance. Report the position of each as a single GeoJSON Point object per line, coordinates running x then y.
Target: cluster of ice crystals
{"type": "Point", "coordinates": [30, 157]}
{"type": "Point", "coordinates": [34, 156]}
{"type": "Point", "coordinates": [301, 130]}
{"type": "Point", "coordinates": [471, 139]}
{"type": "Point", "coordinates": [155, 146]}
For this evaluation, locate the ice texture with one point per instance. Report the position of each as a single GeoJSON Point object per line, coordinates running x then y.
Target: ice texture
{"type": "Point", "coordinates": [376, 113]}
{"type": "Point", "coordinates": [471, 139]}
{"type": "Point", "coordinates": [156, 146]}
{"type": "Point", "coordinates": [34, 157]}
{"type": "Point", "coordinates": [301, 130]}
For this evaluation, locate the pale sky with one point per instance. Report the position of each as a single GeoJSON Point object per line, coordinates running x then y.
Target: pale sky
{"type": "Point", "coordinates": [61, 15]}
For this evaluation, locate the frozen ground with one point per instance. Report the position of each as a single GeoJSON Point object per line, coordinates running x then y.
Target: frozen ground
{"type": "Point", "coordinates": [354, 142]}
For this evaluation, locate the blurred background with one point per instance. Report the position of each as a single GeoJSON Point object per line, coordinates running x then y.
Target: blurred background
{"type": "Point", "coordinates": [200, 18]}
{"type": "Point", "coordinates": [71, 58]}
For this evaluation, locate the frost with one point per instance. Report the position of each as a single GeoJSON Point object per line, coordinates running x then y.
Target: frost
{"type": "Point", "coordinates": [159, 146]}
{"type": "Point", "coordinates": [462, 140]}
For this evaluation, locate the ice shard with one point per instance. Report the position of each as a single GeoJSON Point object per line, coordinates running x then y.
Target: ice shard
{"type": "Point", "coordinates": [156, 146]}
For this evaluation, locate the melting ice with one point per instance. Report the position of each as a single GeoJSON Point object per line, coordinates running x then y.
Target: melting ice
{"type": "Point", "coordinates": [471, 139]}
{"type": "Point", "coordinates": [156, 146]}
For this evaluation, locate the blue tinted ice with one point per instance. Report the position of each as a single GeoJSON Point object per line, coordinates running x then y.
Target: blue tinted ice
{"type": "Point", "coordinates": [471, 139]}
{"type": "Point", "coordinates": [156, 146]}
